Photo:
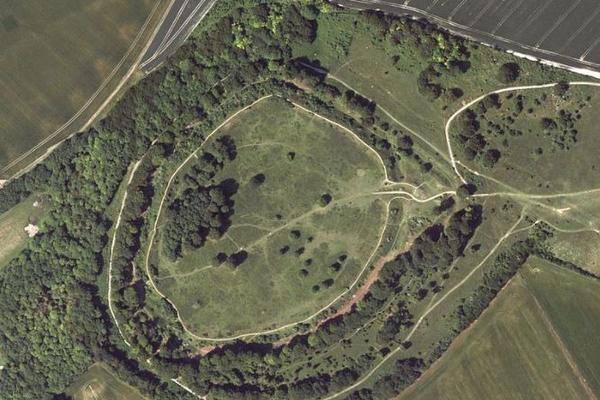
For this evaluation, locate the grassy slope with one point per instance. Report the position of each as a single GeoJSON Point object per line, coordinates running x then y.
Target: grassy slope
{"type": "Point", "coordinates": [532, 163]}
{"type": "Point", "coordinates": [512, 352]}
{"type": "Point", "coordinates": [99, 383]}
{"type": "Point", "coordinates": [580, 248]}
{"type": "Point", "coordinates": [55, 57]}
{"type": "Point", "coordinates": [368, 66]}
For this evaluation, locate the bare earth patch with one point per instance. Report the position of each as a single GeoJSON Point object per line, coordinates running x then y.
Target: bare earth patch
{"type": "Point", "coordinates": [32, 230]}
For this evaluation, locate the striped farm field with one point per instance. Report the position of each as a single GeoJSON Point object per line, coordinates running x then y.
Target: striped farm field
{"type": "Point", "coordinates": [59, 63]}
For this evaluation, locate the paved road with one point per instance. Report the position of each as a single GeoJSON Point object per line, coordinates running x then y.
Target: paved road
{"type": "Point", "coordinates": [180, 21]}
{"type": "Point", "coordinates": [562, 32]}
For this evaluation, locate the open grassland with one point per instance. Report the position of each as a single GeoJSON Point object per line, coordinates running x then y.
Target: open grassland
{"type": "Point", "coordinates": [12, 227]}
{"type": "Point", "coordinates": [536, 140]}
{"type": "Point", "coordinates": [98, 383]}
{"type": "Point", "coordinates": [302, 251]}
{"type": "Point", "coordinates": [59, 62]}
{"type": "Point", "coordinates": [523, 346]}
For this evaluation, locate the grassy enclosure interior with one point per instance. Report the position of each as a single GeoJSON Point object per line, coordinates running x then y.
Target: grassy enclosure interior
{"type": "Point", "coordinates": [301, 252]}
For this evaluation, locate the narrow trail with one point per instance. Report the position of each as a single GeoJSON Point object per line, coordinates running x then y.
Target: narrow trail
{"type": "Point", "coordinates": [383, 110]}
{"type": "Point", "coordinates": [112, 251]}
{"type": "Point", "coordinates": [185, 274]}
{"type": "Point", "coordinates": [152, 235]}
{"type": "Point", "coordinates": [413, 198]}
{"type": "Point", "coordinates": [386, 181]}
{"type": "Point", "coordinates": [357, 138]}
{"type": "Point", "coordinates": [187, 389]}
{"type": "Point", "coordinates": [538, 196]}
{"type": "Point", "coordinates": [398, 194]}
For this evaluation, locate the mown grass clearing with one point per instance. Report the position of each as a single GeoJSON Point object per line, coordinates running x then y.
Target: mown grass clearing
{"type": "Point", "coordinates": [12, 227]}
{"type": "Point", "coordinates": [308, 225]}
{"type": "Point", "coordinates": [98, 383]}
{"type": "Point", "coordinates": [56, 57]}
{"type": "Point", "coordinates": [509, 353]}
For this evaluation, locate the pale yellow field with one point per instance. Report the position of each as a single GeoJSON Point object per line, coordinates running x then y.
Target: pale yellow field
{"type": "Point", "coordinates": [12, 224]}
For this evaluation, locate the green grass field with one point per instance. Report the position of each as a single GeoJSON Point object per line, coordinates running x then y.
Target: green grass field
{"type": "Point", "coordinates": [572, 302]}
{"type": "Point", "coordinates": [12, 224]}
{"type": "Point", "coordinates": [293, 241]}
{"type": "Point", "coordinates": [98, 383]}
{"type": "Point", "coordinates": [56, 58]}
{"type": "Point", "coordinates": [536, 341]}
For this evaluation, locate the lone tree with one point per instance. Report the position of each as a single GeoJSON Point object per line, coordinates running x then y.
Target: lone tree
{"type": "Point", "coordinates": [509, 72]}
{"type": "Point", "coordinates": [326, 199]}
{"type": "Point", "coordinates": [561, 88]}
{"type": "Point", "coordinates": [466, 190]}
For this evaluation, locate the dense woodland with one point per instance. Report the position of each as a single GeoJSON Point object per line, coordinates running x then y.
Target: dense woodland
{"type": "Point", "coordinates": [203, 211]}
{"type": "Point", "coordinates": [56, 320]}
